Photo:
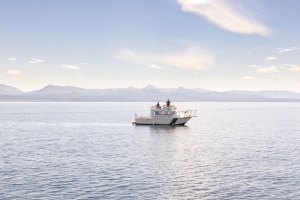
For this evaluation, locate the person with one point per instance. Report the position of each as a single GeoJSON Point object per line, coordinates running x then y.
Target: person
{"type": "Point", "coordinates": [168, 103]}
{"type": "Point", "coordinates": [157, 105]}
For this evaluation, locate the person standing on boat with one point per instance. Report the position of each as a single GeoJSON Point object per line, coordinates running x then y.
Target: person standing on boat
{"type": "Point", "coordinates": [157, 105]}
{"type": "Point", "coordinates": [168, 103]}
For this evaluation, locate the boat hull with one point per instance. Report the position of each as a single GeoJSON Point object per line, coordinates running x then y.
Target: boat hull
{"type": "Point", "coordinates": [182, 121]}
{"type": "Point", "coordinates": [162, 121]}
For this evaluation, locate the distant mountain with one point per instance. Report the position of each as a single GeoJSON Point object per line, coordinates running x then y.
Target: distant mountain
{"type": "Point", "coordinates": [201, 90]}
{"type": "Point", "coordinates": [173, 90]}
{"type": "Point", "coordinates": [150, 87]}
{"type": "Point", "coordinates": [8, 90]}
{"type": "Point", "coordinates": [51, 89]}
{"type": "Point", "coordinates": [131, 88]}
{"type": "Point", "coordinates": [149, 93]}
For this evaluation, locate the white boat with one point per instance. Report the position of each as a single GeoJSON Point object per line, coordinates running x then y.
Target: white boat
{"type": "Point", "coordinates": [165, 115]}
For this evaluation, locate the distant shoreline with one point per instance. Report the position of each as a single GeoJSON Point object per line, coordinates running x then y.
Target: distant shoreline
{"type": "Point", "coordinates": [269, 101]}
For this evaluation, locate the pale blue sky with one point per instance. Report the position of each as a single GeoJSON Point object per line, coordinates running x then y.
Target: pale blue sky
{"type": "Point", "coordinates": [211, 44]}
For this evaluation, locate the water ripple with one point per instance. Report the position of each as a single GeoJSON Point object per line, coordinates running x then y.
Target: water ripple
{"type": "Point", "coordinates": [82, 151]}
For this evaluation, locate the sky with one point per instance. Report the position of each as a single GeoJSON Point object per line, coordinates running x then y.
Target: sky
{"type": "Point", "coordinates": [217, 45]}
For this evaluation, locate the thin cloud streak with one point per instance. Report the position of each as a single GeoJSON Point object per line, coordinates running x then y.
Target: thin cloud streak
{"type": "Point", "coordinates": [14, 72]}
{"type": "Point", "coordinates": [282, 50]}
{"type": "Point", "coordinates": [35, 60]}
{"type": "Point", "coordinates": [81, 76]}
{"type": "Point", "coordinates": [73, 67]}
{"type": "Point", "coordinates": [270, 58]}
{"type": "Point", "coordinates": [154, 66]}
{"type": "Point", "coordinates": [274, 76]}
{"type": "Point", "coordinates": [192, 58]}
{"type": "Point", "coordinates": [225, 15]}
{"type": "Point", "coordinates": [267, 70]}
{"type": "Point", "coordinates": [294, 68]}
{"type": "Point", "coordinates": [128, 55]}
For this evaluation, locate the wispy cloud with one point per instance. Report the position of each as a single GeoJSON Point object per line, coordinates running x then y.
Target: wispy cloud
{"type": "Point", "coordinates": [74, 67]}
{"type": "Point", "coordinates": [14, 72]}
{"type": "Point", "coordinates": [128, 55]}
{"type": "Point", "coordinates": [268, 70]}
{"type": "Point", "coordinates": [253, 66]}
{"type": "Point", "coordinates": [274, 76]}
{"type": "Point", "coordinates": [294, 68]}
{"type": "Point", "coordinates": [35, 60]}
{"type": "Point", "coordinates": [270, 58]}
{"type": "Point", "coordinates": [248, 78]}
{"type": "Point", "coordinates": [226, 15]}
{"type": "Point", "coordinates": [154, 66]}
{"type": "Point", "coordinates": [83, 63]}
{"type": "Point", "coordinates": [282, 50]}
{"type": "Point", "coordinates": [250, 51]}
{"type": "Point", "coordinates": [12, 59]}
{"type": "Point", "coordinates": [192, 58]}
{"type": "Point", "coordinates": [81, 76]}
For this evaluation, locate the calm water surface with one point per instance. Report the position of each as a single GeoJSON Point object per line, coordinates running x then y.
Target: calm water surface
{"type": "Point", "coordinates": [91, 151]}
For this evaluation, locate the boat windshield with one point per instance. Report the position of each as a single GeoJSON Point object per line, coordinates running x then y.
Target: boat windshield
{"type": "Point", "coordinates": [164, 113]}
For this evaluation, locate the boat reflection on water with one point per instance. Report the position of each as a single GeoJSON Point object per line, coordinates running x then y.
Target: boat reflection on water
{"type": "Point", "coordinates": [164, 129]}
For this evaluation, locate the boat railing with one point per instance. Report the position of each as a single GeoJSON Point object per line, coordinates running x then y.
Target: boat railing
{"type": "Point", "coordinates": [163, 106]}
{"type": "Point", "coordinates": [184, 113]}
{"type": "Point", "coordinates": [155, 107]}
{"type": "Point", "coordinates": [187, 113]}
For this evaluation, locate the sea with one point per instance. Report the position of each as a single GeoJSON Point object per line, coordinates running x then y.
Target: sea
{"type": "Point", "coordinates": [232, 150]}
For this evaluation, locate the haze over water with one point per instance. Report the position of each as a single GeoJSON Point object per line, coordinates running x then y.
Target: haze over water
{"type": "Point", "coordinates": [91, 150]}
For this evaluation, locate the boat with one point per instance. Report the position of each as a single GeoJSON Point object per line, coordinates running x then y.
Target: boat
{"type": "Point", "coordinates": [165, 115]}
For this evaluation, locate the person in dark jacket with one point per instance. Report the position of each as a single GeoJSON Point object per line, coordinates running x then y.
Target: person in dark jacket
{"type": "Point", "coordinates": [168, 103]}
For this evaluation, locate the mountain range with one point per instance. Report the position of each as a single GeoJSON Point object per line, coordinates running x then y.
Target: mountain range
{"type": "Point", "coordinates": [51, 93]}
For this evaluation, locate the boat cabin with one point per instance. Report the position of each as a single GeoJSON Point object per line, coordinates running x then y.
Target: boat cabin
{"type": "Point", "coordinates": [165, 110]}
